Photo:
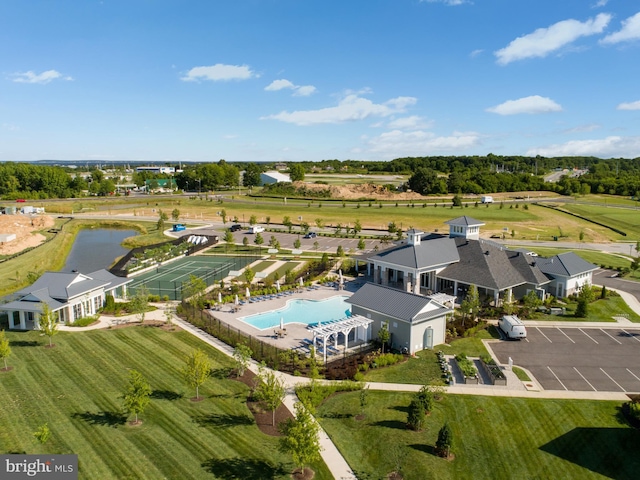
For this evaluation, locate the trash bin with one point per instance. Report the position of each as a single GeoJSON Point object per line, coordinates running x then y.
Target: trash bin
{"type": "Point", "coordinates": [555, 238]}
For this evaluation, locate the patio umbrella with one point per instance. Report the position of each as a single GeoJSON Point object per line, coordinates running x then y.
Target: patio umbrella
{"type": "Point", "coordinates": [219, 297]}
{"type": "Point", "coordinates": [237, 301]}
{"type": "Point", "coordinates": [281, 323]}
{"type": "Point", "coordinates": [278, 285]}
{"type": "Point", "coordinates": [301, 282]}
{"type": "Point", "coordinates": [340, 275]}
{"type": "Point", "coordinates": [247, 292]}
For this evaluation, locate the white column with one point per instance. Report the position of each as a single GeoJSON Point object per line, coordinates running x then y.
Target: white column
{"type": "Point", "coordinates": [23, 322]}
{"type": "Point", "coordinates": [11, 324]}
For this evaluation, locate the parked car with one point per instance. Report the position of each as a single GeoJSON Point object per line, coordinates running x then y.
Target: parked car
{"type": "Point", "coordinates": [256, 229]}
{"type": "Point", "coordinates": [235, 227]}
{"type": "Point", "coordinates": [311, 235]}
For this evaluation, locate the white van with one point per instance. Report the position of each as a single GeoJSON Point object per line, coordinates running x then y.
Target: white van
{"type": "Point", "coordinates": [256, 229]}
{"type": "Point", "coordinates": [486, 199]}
{"type": "Point", "coordinates": [512, 327]}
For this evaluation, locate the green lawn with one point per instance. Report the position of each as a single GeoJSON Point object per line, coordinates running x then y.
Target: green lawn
{"type": "Point", "coordinates": [626, 219]}
{"type": "Point", "coordinates": [497, 438]}
{"type": "Point", "coordinates": [599, 311]}
{"type": "Point", "coordinates": [597, 258]}
{"type": "Point", "coordinates": [421, 369]}
{"type": "Point", "coordinates": [76, 386]}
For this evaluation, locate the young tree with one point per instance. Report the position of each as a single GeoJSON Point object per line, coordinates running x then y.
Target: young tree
{"type": "Point", "coordinates": [286, 221]}
{"type": "Point", "coordinates": [47, 323]}
{"type": "Point", "coordinates": [245, 241]}
{"type": "Point", "coordinates": [357, 227]}
{"type": "Point", "coordinates": [43, 433]}
{"type": "Point", "coordinates": [258, 240]}
{"type": "Point", "coordinates": [270, 391]}
{"type": "Point", "coordinates": [300, 437]}
{"type": "Point", "coordinates": [242, 354]}
{"type": "Point", "coordinates": [585, 297]}
{"type": "Point", "coordinates": [228, 237]}
{"type": "Point", "coordinates": [197, 370]}
{"type": "Point", "coordinates": [319, 223]}
{"type": "Point", "coordinates": [471, 304]}
{"type": "Point", "coordinates": [445, 440]}
{"type": "Point", "coordinates": [425, 397]}
{"type": "Point", "coordinates": [193, 290]}
{"type": "Point", "coordinates": [249, 275]}
{"type": "Point", "coordinates": [384, 335]}
{"type": "Point", "coordinates": [253, 220]}
{"type": "Point", "coordinates": [136, 397]}
{"type": "Point", "coordinates": [364, 399]}
{"type": "Point", "coordinates": [297, 243]}
{"type": "Point", "coordinates": [5, 349]}
{"type": "Point", "coordinates": [531, 301]}
{"type": "Point", "coordinates": [139, 304]}
{"type": "Point", "coordinates": [316, 245]}
{"type": "Point", "coordinates": [361, 244]}
{"type": "Point", "coordinates": [304, 227]}
{"type": "Point", "coordinates": [175, 214]}
{"type": "Point", "coordinates": [162, 218]}
{"type": "Point", "coordinates": [340, 251]}
{"type": "Point", "coordinates": [223, 215]}
{"type": "Point", "coordinates": [416, 417]}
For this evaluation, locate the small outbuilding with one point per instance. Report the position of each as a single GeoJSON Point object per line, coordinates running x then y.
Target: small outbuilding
{"type": "Point", "coordinates": [415, 322]}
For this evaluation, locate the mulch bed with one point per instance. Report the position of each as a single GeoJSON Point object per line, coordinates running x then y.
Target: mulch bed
{"type": "Point", "coordinates": [162, 325]}
{"type": "Point", "coordinates": [8, 369]}
{"type": "Point", "coordinates": [262, 416]}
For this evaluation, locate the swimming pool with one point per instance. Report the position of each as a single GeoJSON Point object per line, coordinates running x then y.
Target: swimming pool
{"type": "Point", "coordinates": [303, 311]}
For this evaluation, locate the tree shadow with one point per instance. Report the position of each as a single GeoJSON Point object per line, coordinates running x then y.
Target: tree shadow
{"type": "Point", "coordinates": [337, 415]}
{"type": "Point", "coordinates": [424, 448]}
{"type": "Point", "coordinates": [224, 421]}
{"type": "Point", "coordinates": [243, 468]}
{"type": "Point", "coordinates": [221, 373]}
{"type": "Point", "coordinates": [109, 419]}
{"type": "Point", "coordinates": [400, 408]}
{"type": "Point", "coordinates": [391, 424]}
{"type": "Point", "coordinates": [611, 452]}
{"type": "Point", "coordinates": [166, 395]}
{"type": "Point", "coordinates": [24, 343]}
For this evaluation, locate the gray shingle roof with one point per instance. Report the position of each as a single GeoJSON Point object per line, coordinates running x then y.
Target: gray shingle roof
{"type": "Point", "coordinates": [396, 303]}
{"type": "Point", "coordinates": [565, 264]}
{"type": "Point", "coordinates": [464, 221]}
{"type": "Point", "coordinates": [434, 250]}
{"type": "Point", "coordinates": [485, 265]}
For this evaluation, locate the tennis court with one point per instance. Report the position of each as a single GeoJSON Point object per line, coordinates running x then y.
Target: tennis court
{"type": "Point", "coordinates": [169, 279]}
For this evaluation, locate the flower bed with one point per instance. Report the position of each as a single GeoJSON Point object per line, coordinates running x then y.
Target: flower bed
{"type": "Point", "coordinates": [467, 368]}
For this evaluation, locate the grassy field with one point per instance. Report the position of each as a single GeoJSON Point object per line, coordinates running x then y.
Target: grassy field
{"type": "Point", "coordinates": [76, 386]}
{"type": "Point", "coordinates": [497, 438]}
{"type": "Point", "coordinates": [597, 258]}
{"type": "Point", "coordinates": [599, 311]}
{"type": "Point", "coordinates": [626, 219]}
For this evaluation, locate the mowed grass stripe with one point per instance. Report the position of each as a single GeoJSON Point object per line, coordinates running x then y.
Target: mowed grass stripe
{"type": "Point", "coordinates": [494, 437]}
{"type": "Point", "coordinates": [77, 386]}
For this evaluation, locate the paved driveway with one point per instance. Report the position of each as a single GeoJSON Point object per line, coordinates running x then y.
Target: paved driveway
{"type": "Point", "coordinates": [579, 359]}
{"type": "Point", "coordinates": [603, 277]}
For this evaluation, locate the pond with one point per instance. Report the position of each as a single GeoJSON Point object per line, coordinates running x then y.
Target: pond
{"type": "Point", "coordinates": [96, 248]}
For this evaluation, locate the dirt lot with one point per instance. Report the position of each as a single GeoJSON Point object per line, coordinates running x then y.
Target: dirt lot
{"type": "Point", "coordinates": [26, 228]}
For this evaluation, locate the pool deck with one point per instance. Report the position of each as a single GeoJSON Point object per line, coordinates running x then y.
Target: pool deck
{"type": "Point", "coordinates": [296, 333]}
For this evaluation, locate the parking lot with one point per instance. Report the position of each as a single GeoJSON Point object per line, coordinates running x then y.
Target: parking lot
{"type": "Point", "coordinates": [579, 359]}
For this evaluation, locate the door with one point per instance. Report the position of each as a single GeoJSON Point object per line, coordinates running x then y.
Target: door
{"type": "Point", "coordinates": [428, 338]}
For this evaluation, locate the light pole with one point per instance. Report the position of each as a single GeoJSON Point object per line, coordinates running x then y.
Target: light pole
{"type": "Point", "coordinates": [198, 180]}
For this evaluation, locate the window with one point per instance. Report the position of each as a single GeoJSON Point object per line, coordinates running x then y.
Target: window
{"type": "Point", "coordinates": [77, 311]}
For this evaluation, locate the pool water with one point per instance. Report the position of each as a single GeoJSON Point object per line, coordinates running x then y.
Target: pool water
{"type": "Point", "coordinates": [307, 312]}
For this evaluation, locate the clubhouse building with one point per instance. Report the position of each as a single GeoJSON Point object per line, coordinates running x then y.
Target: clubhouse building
{"type": "Point", "coordinates": [69, 296]}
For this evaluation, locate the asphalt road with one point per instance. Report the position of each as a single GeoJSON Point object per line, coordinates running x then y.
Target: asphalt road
{"type": "Point", "coordinates": [604, 277]}
{"type": "Point", "coordinates": [579, 359]}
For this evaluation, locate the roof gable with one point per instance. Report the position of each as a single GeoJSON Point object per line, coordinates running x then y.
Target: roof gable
{"type": "Point", "coordinates": [566, 264]}
{"type": "Point", "coordinates": [396, 303]}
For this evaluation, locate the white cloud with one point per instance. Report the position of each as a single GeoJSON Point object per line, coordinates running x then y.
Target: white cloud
{"type": "Point", "coordinates": [600, 3]}
{"type": "Point", "coordinates": [609, 147]}
{"type": "Point", "coordinates": [279, 85]}
{"type": "Point", "coordinates": [298, 90]}
{"type": "Point", "coordinates": [532, 105]}
{"type": "Point", "coordinates": [543, 41]}
{"type": "Point", "coordinates": [583, 128]}
{"type": "Point", "coordinates": [42, 78]}
{"type": "Point", "coordinates": [219, 72]}
{"type": "Point", "coordinates": [629, 106]}
{"type": "Point", "coordinates": [630, 31]}
{"type": "Point", "coordinates": [414, 122]}
{"type": "Point", "coordinates": [350, 108]}
{"type": "Point", "coordinates": [398, 143]}
{"type": "Point", "coordinates": [476, 52]}
{"type": "Point", "coordinates": [304, 91]}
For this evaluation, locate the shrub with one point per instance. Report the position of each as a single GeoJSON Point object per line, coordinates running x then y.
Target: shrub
{"type": "Point", "coordinates": [467, 367]}
{"type": "Point", "coordinates": [415, 416]}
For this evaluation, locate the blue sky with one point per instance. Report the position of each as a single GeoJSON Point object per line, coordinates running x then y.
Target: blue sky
{"type": "Point", "coordinates": [292, 80]}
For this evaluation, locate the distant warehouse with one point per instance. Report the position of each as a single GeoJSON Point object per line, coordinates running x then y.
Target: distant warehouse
{"type": "Point", "coordinates": [273, 177]}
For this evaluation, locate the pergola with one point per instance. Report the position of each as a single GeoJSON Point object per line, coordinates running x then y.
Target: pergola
{"type": "Point", "coordinates": [443, 298]}
{"type": "Point", "coordinates": [344, 326]}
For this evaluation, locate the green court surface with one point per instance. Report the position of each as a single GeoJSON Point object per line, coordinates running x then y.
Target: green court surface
{"type": "Point", "coordinates": [169, 279]}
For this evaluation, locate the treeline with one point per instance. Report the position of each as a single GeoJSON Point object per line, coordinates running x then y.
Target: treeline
{"type": "Point", "coordinates": [24, 180]}
{"type": "Point", "coordinates": [208, 176]}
